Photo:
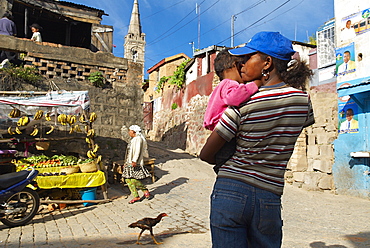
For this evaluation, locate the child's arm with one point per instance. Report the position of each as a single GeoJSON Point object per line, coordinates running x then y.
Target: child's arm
{"type": "Point", "coordinates": [234, 93]}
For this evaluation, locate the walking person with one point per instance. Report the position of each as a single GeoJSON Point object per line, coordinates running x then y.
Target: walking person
{"type": "Point", "coordinates": [133, 170]}
{"type": "Point", "coordinates": [231, 91]}
{"type": "Point", "coordinates": [7, 27]}
{"type": "Point", "coordinates": [246, 199]}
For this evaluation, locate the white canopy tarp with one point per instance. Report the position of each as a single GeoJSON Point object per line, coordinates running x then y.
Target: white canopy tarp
{"type": "Point", "coordinates": [53, 102]}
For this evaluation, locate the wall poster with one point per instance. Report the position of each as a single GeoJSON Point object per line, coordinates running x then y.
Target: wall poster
{"type": "Point", "coordinates": [345, 60]}
{"type": "Point", "coordinates": [353, 25]}
{"type": "Point", "coordinates": [347, 114]}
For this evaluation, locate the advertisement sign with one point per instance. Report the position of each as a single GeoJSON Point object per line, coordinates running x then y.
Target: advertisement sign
{"type": "Point", "coordinates": [345, 60]}
{"type": "Point", "coordinates": [353, 25]}
{"type": "Point", "coordinates": [347, 114]}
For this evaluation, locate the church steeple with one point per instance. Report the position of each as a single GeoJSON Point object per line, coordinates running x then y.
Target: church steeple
{"type": "Point", "coordinates": [135, 40]}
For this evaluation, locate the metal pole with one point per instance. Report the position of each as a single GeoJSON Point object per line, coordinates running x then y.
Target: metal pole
{"type": "Point", "coordinates": [198, 11]}
{"type": "Point", "coordinates": [232, 30]}
{"type": "Point", "coordinates": [26, 23]}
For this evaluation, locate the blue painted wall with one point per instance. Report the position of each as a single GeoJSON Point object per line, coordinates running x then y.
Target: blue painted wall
{"type": "Point", "coordinates": [352, 175]}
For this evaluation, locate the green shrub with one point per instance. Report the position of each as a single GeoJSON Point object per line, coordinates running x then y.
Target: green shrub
{"type": "Point", "coordinates": [27, 74]}
{"type": "Point", "coordinates": [97, 79]}
{"type": "Point", "coordinates": [174, 106]}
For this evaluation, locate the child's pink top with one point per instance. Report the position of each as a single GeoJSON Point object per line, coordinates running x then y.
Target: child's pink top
{"type": "Point", "coordinates": [227, 93]}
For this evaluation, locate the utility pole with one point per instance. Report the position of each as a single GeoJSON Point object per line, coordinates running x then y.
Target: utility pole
{"type": "Point", "coordinates": [192, 46]}
{"type": "Point", "coordinates": [197, 9]}
{"type": "Point", "coordinates": [233, 18]}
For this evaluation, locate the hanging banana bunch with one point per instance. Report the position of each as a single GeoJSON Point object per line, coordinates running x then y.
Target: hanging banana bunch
{"type": "Point", "coordinates": [15, 113]}
{"type": "Point", "coordinates": [71, 119]}
{"type": "Point", "coordinates": [10, 131]}
{"type": "Point", "coordinates": [17, 130]}
{"type": "Point", "coordinates": [82, 118]}
{"type": "Point", "coordinates": [90, 133]}
{"type": "Point", "coordinates": [35, 131]}
{"type": "Point", "coordinates": [91, 154]}
{"type": "Point", "coordinates": [62, 119]}
{"type": "Point", "coordinates": [92, 117]}
{"type": "Point", "coordinates": [47, 117]}
{"type": "Point", "coordinates": [39, 114]}
{"type": "Point", "coordinates": [23, 121]}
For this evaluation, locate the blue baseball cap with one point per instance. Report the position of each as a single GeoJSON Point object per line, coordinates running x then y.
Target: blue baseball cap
{"type": "Point", "coordinates": [270, 43]}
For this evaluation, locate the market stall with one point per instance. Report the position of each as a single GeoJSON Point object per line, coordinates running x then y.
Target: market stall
{"type": "Point", "coordinates": [39, 118]}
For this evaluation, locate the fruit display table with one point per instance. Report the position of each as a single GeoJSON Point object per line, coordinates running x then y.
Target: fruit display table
{"type": "Point", "coordinates": [65, 172]}
{"type": "Point", "coordinates": [75, 180]}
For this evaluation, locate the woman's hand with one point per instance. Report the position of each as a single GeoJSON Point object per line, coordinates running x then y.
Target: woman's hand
{"type": "Point", "coordinates": [133, 164]}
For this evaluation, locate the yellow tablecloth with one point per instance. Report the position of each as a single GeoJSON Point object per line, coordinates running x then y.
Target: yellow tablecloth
{"type": "Point", "coordinates": [75, 180]}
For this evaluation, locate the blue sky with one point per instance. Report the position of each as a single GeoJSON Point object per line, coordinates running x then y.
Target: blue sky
{"type": "Point", "coordinates": [170, 25]}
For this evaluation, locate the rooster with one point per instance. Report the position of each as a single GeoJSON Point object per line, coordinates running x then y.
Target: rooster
{"type": "Point", "coordinates": [147, 224]}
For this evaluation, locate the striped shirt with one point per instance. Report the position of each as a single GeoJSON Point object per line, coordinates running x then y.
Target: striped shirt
{"type": "Point", "coordinates": [266, 128]}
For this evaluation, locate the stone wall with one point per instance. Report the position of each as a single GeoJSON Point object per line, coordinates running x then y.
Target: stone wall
{"type": "Point", "coordinates": [310, 166]}
{"type": "Point", "coordinates": [182, 127]}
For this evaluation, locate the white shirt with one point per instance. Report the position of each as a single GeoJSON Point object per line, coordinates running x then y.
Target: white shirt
{"type": "Point", "coordinates": [36, 36]}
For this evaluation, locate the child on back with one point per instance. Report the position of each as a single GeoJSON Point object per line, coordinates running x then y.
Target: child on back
{"type": "Point", "coordinates": [231, 91]}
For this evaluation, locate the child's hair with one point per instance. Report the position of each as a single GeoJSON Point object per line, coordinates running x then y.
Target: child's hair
{"type": "Point", "coordinates": [224, 60]}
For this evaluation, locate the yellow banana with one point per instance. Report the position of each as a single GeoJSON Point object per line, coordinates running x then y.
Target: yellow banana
{"type": "Point", "coordinates": [34, 132]}
{"type": "Point", "coordinates": [91, 154]}
{"type": "Point", "coordinates": [98, 160]}
{"type": "Point", "coordinates": [14, 113]}
{"type": "Point", "coordinates": [38, 115]}
{"type": "Point", "coordinates": [47, 117]}
{"type": "Point", "coordinates": [10, 131]}
{"type": "Point", "coordinates": [51, 130]}
{"type": "Point", "coordinates": [88, 141]}
{"type": "Point", "coordinates": [62, 118]}
{"type": "Point", "coordinates": [82, 118]}
{"type": "Point", "coordinates": [71, 130]}
{"type": "Point", "coordinates": [92, 117]}
{"type": "Point", "coordinates": [72, 120]}
{"type": "Point", "coordinates": [90, 133]}
{"type": "Point", "coordinates": [11, 114]}
{"type": "Point", "coordinates": [68, 119]}
{"type": "Point", "coordinates": [96, 148]}
{"type": "Point", "coordinates": [17, 130]}
{"type": "Point", "coordinates": [23, 121]}
{"type": "Point", "coordinates": [19, 122]}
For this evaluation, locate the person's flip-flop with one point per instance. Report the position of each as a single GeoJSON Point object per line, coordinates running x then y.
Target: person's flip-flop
{"type": "Point", "coordinates": [136, 199]}
{"type": "Point", "coordinates": [147, 195]}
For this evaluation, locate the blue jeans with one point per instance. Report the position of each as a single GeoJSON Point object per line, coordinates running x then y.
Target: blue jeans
{"type": "Point", "coordinates": [244, 216]}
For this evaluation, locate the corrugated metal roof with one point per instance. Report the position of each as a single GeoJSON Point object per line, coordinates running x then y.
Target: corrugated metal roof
{"type": "Point", "coordinates": [77, 5]}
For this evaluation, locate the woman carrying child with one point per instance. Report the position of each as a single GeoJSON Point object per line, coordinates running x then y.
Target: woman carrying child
{"type": "Point", "coordinates": [231, 91]}
{"type": "Point", "coordinates": [246, 198]}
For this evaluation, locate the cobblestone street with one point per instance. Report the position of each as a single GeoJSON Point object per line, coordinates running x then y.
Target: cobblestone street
{"type": "Point", "coordinates": [311, 219]}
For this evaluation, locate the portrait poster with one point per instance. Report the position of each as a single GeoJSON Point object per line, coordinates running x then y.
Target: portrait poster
{"type": "Point", "coordinates": [353, 25]}
{"type": "Point", "coordinates": [345, 60]}
{"type": "Point", "coordinates": [347, 114]}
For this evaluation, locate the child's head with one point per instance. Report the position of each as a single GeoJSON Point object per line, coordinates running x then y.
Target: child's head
{"type": "Point", "coordinates": [35, 28]}
{"type": "Point", "coordinates": [224, 60]}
